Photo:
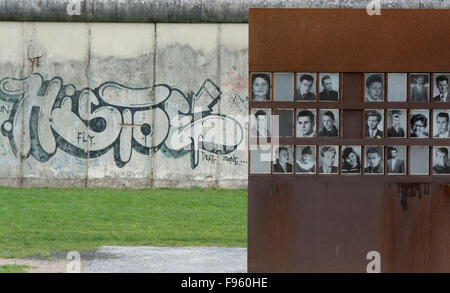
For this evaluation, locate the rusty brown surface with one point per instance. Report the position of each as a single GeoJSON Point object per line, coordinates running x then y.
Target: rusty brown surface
{"type": "Point", "coordinates": [328, 223]}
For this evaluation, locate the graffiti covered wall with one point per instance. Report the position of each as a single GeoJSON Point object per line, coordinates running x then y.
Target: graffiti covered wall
{"type": "Point", "coordinates": [125, 105]}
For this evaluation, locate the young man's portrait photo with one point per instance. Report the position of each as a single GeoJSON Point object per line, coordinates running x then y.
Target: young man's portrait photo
{"type": "Point", "coordinates": [329, 86]}
{"type": "Point", "coordinates": [260, 123]}
{"type": "Point", "coordinates": [441, 165]}
{"type": "Point", "coordinates": [328, 160]}
{"type": "Point", "coordinates": [420, 87]}
{"type": "Point", "coordinates": [283, 157]}
{"type": "Point", "coordinates": [329, 123]}
{"type": "Point", "coordinates": [374, 124]}
{"type": "Point", "coordinates": [441, 123]}
{"type": "Point", "coordinates": [440, 90]}
{"type": "Point", "coordinates": [306, 87]}
{"type": "Point", "coordinates": [374, 87]}
{"type": "Point", "coordinates": [396, 123]}
{"type": "Point", "coordinates": [374, 160]}
{"type": "Point", "coordinates": [396, 156]}
{"type": "Point", "coordinates": [306, 123]}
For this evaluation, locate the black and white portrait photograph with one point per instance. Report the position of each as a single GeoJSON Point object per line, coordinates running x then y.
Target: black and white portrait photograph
{"type": "Point", "coordinates": [441, 164]}
{"type": "Point", "coordinates": [260, 122]}
{"type": "Point", "coordinates": [441, 123]}
{"type": "Point", "coordinates": [260, 159]}
{"type": "Point", "coordinates": [351, 159]}
{"type": "Point", "coordinates": [397, 87]}
{"type": "Point", "coordinates": [374, 160]}
{"type": "Point", "coordinates": [396, 158]}
{"type": "Point", "coordinates": [306, 86]}
{"type": "Point", "coordinates": [420, 87]}
{"type": "Point", "coordinates": [374, 123]}
{"type": "Point", "coordinates": [440, 89]}
{"type": "Point", "coordinates": [260, 86]}
{"type": "Point", "coordinates": [306, 123]}
{"type": "Point", "coordinates": [419, 160]}
{"type": "Point", "coordinates": [329, 123]}
{"type": "Point", "coordinates": [374, 83]}
{"type": "Point", "coordinates": [328, 160]}
{"type": "Point", "coordinates": [419, 123]}
{"type": "Point", "coordinates": [305, 162]}
{"type": "Point", "coordinates": [396, 123]}
{"type": "Point", "coordinates": [285, 120]}
{"type": "Point", "coordinates": [283, 86]}
{"type": "Point", "coordinates": [282, 159]}
{"type": "Point", "coordinates": [328, 86]}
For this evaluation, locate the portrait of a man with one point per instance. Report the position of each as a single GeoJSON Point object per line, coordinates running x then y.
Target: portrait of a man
{"type": "Point", "coordinates": [419, 123]}
{"type": "Point", "coordinates": [260, 86]}
{"type": "Point", "coordinates": [397, 123]}
{"type": "Point", "coordinates": [440, 161]}
{"type": "Point", "coordinates": [329, 123]}
{"type": "Point", "coordinates": [283, 161]}
{"type": "Point", "coordinates": [420, 87]}
{"type": "Point", "coordinates": [396, 160]}
{"type": "Point", "coordinates": [306, 123]}
{"type": "Point", "coordinates": [306, 87]}
{"type": "Point", "coordinates": [442, 87]}
{"type": "Point", "coordinates": [328, 160]}
{"type": "Point", "coordinates": [441, 123]}
{"type": "Point", "coordinates": [306, 160]}
{"type": "Point", "coordinates": [374, 87]}
{"type": "Point", "coordinates": [261, 125]}
{"type": "Point", "coordinates": [329, 87]}
{"type": "Point", "coordinates": [374, 124]}
{"type": "Point", "coordinates": [374, 160]}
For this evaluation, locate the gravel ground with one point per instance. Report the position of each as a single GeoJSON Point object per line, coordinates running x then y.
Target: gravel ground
{"type": "Point", "coordinates": [119, 259]}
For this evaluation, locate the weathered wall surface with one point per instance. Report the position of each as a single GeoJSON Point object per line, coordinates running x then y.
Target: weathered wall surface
{"type": "Point", "coordinates": [127, 105]}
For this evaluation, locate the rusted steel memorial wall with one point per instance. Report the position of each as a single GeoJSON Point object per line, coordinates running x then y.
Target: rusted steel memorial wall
{"type": "Point", "coordinates": [349, 141]}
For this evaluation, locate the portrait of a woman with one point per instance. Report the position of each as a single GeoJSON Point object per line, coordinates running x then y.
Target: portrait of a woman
{"type": "Point", "coordinates": [260, 87]}
{"type": "Point", "coordinates": [351, 162]}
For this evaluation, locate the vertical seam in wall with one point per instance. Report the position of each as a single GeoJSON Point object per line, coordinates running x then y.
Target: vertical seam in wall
{"type": "Point", "coordinates": [152, 154]}
{"type": "Point", "coordinates": [219, 108]}
{"type": "Point", "coordinates": [87, 72]}
{"type": "Point", "coordinates": [24, 59]}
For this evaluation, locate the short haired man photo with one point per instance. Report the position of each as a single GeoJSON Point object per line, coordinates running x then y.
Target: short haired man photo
{"type": "Point", "coordinates": [375, 87]}
{"type": "Point", "coordinates": [328, 93]}
{"type": "Point", "coordinates": [420, 87]}
{"type": "Point", "coordinates": [374, 159]}
{"type": "Point", "coordinates": [442, 123]}
{"type": "Point", "coordinates": [442, 86]}
{"type": "Point", "coordinates": [328, 121]}
{"type": "Point", "coordinates": [440, 161]}
{"type": "Point", "coordinates": [306, 88]}
{"type": "Point", "coordinates": [283, 164]}
{"type": "Point", "coordinates": [396, 129]}
{"type": "Point", "coordinates": [328, 160]}
{"type": "Point", "coordinates": [396, 165]}
{"type": "Point", "coordinates": [373, 119]}
{"type": "Point", "coordinates": [306, 123]}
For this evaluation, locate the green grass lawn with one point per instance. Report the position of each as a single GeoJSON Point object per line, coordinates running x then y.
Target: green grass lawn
{"type": "Point", "coordinates": [13, 269]}
{"type": "Point", "coordinates": [41, 221]}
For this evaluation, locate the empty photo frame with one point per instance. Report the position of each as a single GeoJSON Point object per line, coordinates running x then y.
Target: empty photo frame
{"type": "Point", "coordinates": [396, 160]}
{"type": "Point", "coordinates": [373, 160]}
{"type": "Point", "coordinates": [305, 120]}
{"type": "Point", "coordinates": [282, 159]}
{"type": "Point", "coordinates": [285, 119]}
{"type": "Point", "coordinates": [441, 163]}
{"type": "Point", "coordinates": [305, 161]}
{"type": "Point", "coordinates": [260, 159]}
{"type": "Point", "coordinates": [440, 87]}
{"type": "Point", "coordinates": [397, 87]}
{"type": "Point", "coordinates": [261, 86]}
{"type": "Point", "coordinates": [419, 87]}
{"type": "Point", "coordinates": [329, 123]}
{"type": "Point", "coordinates": [306, 86]}
{"type": "Point", "coordinates": [441, 123]}
{"type": "Point", "coordinates": [329, 87]}
{"type": "Point", "coordinates": [396, 123]}
{"type": "Point", "coordinates": [260, 122]}
{"type": "Point", "coordinates": [419, 123]}
{"type": "Point", "coordinates": [329, 159]}
{"type": "Point", "coordinates": [351, 160]}
{"type": "Point", "coordinates": [283, 86]}
{"type": "Point", "coordinates": [374, 87]}
{"type": "Point", "coordinates": [374, 123]}
{"type": "Point", "coordinates": [419, 160]}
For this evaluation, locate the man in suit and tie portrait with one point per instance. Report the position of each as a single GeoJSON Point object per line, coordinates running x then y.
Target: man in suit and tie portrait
{"type": "Point", "coordinates": [395, 164]}
{"type": "Point", "coordinates": [395, 130]}
{"type": "Point", "coordinates": [304, 90]}
{"type": "Point", "coordinates": [420, 88]}
{"type": "Point", "coordinates": [442, 86]}
{"type": "Point", "coordinates": [374, 158]}
{"type": "Point", "coordinates": [442, 120]}
{"type": "Point", "coordinates": [373, 119]}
